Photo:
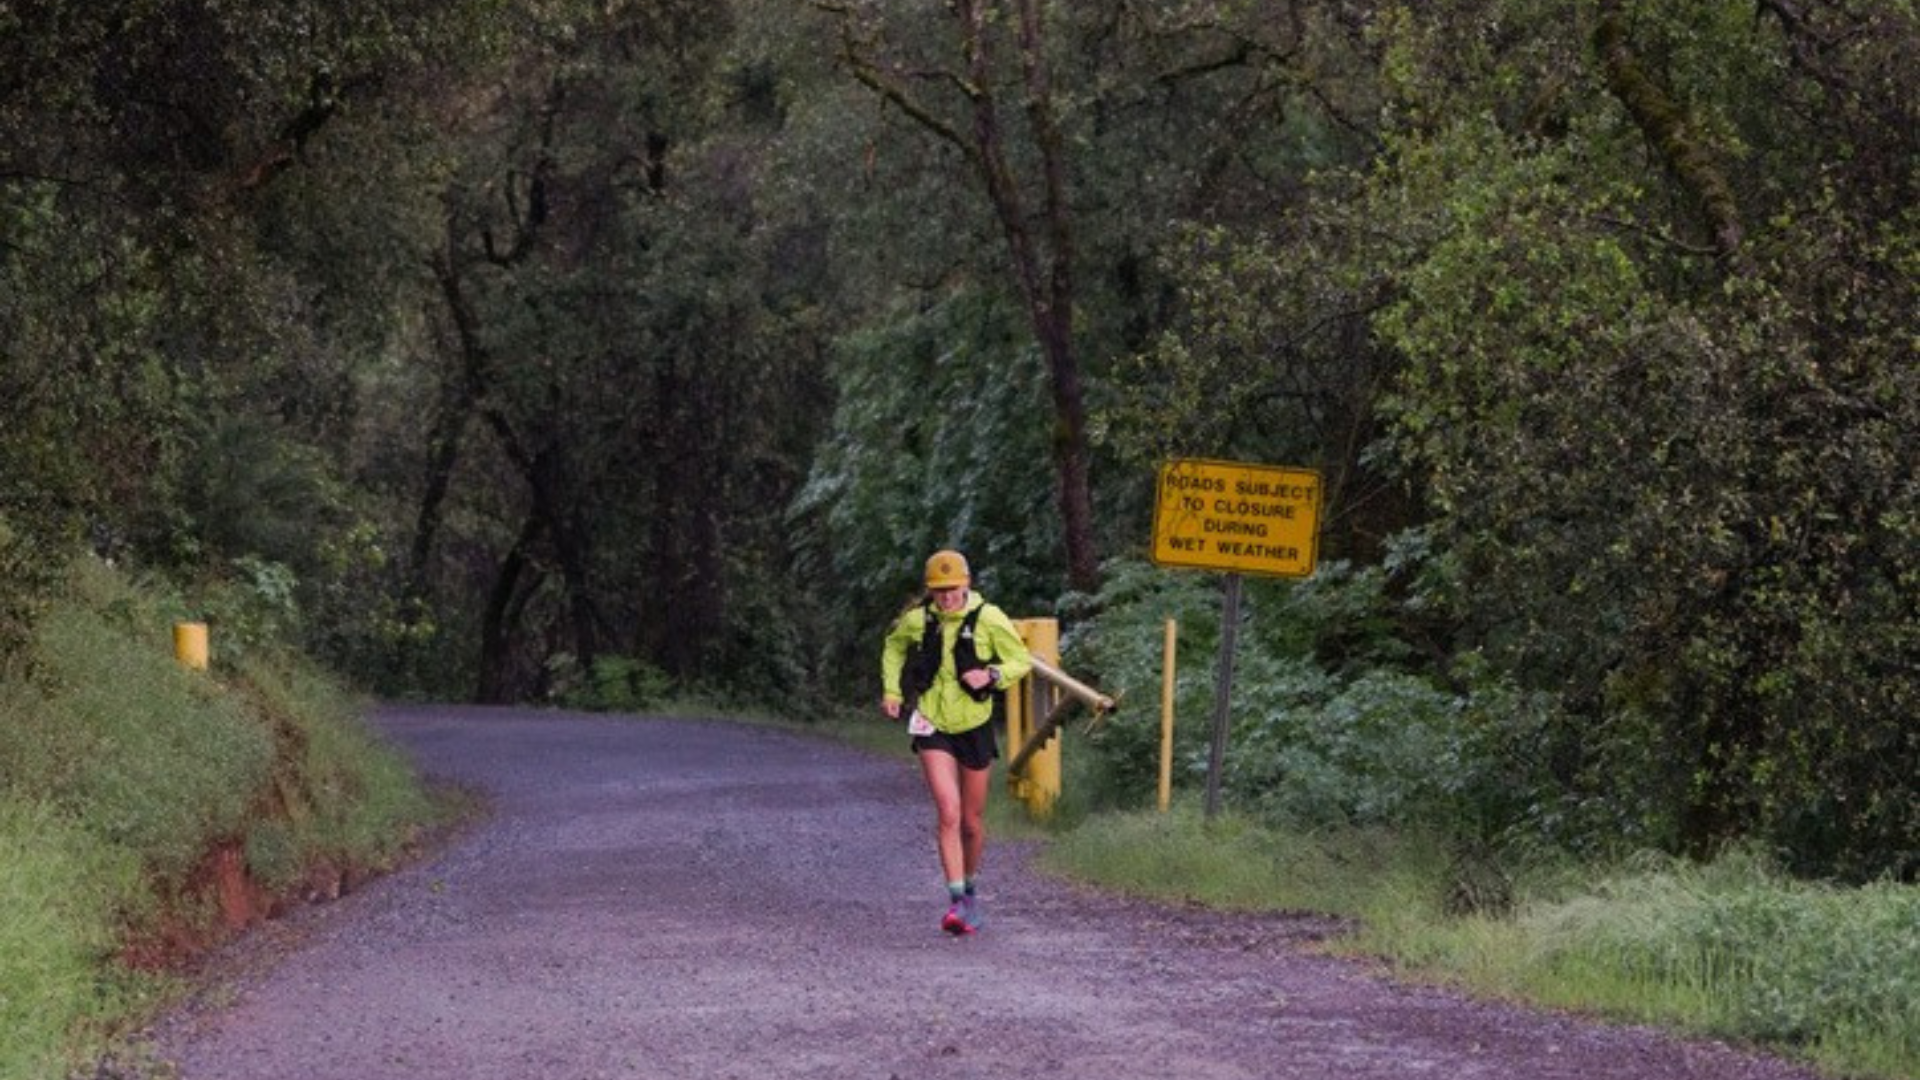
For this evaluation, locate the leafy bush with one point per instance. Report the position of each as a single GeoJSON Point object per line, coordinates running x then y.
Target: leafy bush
{"type": "Point", "coordinates": [1384, 749]}
{"type": "Point", "coordinates": [614, 684]}
{"type": "Point", "coordinates": [252, 606]}
{"type": "Point", "coordinates": [1325, 732]}
{"type": "Point", "coordinates": [1120, 651]}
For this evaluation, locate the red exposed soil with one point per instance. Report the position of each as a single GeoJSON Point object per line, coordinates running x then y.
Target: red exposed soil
{"type": "Point", "coordinates": [219, 900]}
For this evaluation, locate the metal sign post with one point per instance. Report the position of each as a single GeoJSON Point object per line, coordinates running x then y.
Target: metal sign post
{"type": "Point", "coordinates": [1167, 683]}
{"type": "Point", "coordinates": [1222, 690]}
{"type": "Point", "coordinates": [1242, 519]}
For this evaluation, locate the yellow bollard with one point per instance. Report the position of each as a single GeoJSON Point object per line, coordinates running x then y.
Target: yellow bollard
{"type": "Point", "coordinates": [1038, 785]}
{"type": "Point", "coordinates": [1019, 718]}
{"type": "Point", "coordinates": [190, 644]}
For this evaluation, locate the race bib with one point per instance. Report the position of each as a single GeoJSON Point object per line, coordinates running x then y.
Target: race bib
{"type": "Point", "coordinates": [918, 724]}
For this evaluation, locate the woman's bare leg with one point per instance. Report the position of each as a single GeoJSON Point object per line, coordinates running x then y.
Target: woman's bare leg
{"type": "Point", "coordinates": [944, 783]}
{"type": "Point", "coordinates": [974, 785]}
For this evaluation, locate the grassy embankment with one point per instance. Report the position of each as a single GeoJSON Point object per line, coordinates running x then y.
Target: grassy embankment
{"type": "Point", "coordinates": [1730, 950]}
{"type": "Point", "coordinates": [122, 773]}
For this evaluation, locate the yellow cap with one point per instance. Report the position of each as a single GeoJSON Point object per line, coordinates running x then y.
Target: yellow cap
{"type": "Point", "coordinates": [947, 569]}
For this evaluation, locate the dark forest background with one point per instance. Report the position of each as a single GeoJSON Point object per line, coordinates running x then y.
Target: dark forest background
{"type": "Point", "coordinates": [606, 352]}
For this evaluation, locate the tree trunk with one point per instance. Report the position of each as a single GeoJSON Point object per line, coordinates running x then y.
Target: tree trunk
{"type": "Point", "coordinates": [546, 477]}
{"type": "Point", "coordinates": [1047, 290]}
{"type": "Point", "coordinates": [1074, 490]}
{"type": "Point", "coordinates": [497, 622]}
{"type": "Point", "coordinates": [1045, 282]}
{"type": "Point", "coordinates": [686, 568]}
{"type": "Point", "coordinates": [543, 469]}
{"type": "Point", "coordinates": [443, 454]}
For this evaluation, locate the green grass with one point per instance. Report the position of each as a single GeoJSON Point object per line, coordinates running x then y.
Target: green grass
{"type": "Point", "coordinates": [1730, 949]}
{"type": "Point", "coordinates": [1233, 863]}
{"type": "Point", "coordinates": [343, 797]}
{"type": "Point", "coordinates": [120, 771]}
{"type": "Point", "coordinates": [63, 893]}
{"type": "Point", "coordinates": [142, 753]}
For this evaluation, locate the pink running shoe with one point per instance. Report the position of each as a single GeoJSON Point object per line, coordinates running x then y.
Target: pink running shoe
{"type": "Point", "coordinates": [955, 920]}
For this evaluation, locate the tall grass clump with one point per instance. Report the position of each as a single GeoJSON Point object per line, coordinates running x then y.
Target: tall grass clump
{"type": "Point", "coordinates": [63, 895]}
{"type": "Point", "coordinates": [1729, 949]}
{"type": "Point", "coordinates": [341, 797]}
{"type": "Point", "coordinates": [1234, 862]}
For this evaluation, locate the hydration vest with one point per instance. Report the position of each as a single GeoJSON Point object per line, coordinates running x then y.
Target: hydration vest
{"type": "Point", "coordinates": [923, 660]}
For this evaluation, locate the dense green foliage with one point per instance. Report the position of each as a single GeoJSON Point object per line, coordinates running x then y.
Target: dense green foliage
{"type": "Point", "coordinates": [1659, 412]}
{"type": "Point", "coordinates": [603, 351]}
{"type": "Point", "coordinates": [1675, 491]}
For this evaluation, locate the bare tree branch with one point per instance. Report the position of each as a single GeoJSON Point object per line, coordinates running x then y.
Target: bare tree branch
{"type": "Point", "coordinates": [857, 53]}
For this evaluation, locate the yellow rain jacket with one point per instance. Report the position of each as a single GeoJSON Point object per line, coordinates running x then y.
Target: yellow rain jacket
{"type": "Point", "coordinates": [946, 703]}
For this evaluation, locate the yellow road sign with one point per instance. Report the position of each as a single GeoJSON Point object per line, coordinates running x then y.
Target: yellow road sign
{"type": "Point", "coordinates": [1249, 519]}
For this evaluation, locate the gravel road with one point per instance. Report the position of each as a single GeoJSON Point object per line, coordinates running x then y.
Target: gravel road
{"type": "Point", "coordinates": [667, 899]}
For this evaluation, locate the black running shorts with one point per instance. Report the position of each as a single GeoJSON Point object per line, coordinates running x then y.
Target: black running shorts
{"type": "Point", "coordinates": [974, 748]}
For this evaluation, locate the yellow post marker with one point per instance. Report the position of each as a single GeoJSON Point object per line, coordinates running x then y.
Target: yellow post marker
{"type": "Point", "coordinates": [1019, 718]}
{"type": "Point", "coordinates": [190, 644]}
{"type": "Point", "coordinates": [1166, 717]}
{"type": "Point", "coordinates": [1016, 713]}
{"type": "Point", "coordinates": [1038, 783]}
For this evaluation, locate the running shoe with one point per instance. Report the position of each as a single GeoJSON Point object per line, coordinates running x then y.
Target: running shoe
{"type": "Point", "coordinates": [976, 912]}
{"type": "Point", "coordinates": [955, 920]}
